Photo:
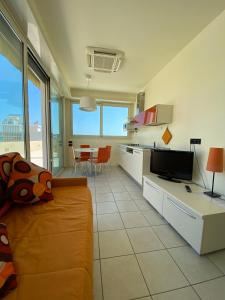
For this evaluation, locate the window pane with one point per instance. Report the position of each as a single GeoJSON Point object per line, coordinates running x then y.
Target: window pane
{"type": "Point", "coordinates": [56, 134]}
{"type": "Point", "coordinates": [113, 120]}
{"type": "Point", "coordinates": [11, 91]}
{"type": "Point", "coordinates": [86, 123]}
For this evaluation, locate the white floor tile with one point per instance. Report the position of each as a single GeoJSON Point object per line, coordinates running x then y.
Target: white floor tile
{"type": "Point", "coordinates": [218, 258]}
{"type": "Point", "coordinates": [104, 197]}
{"type": "Point", "coordinates": [144, 239]}
{"type": "Point", "coordinates": [196, 268]}
{"type": "Point", "coordinates": [160, 271]}
{"type": "Point", "coordinates": [211, 290]}
{"type": "Point", "coordinates": [169, 236]}
{"type": "Point", "coordinates": [102, 189]}
{"type": "Point", "coordinates": [182, 294]}
{"type": "Point", "coordinates": [97, 284]}
{"type": "Point", "coordinates": [118, 188]}
{"type": "Point", "coordinates": [114, 243]}
{"type": "Point", "coordinates": [106, 208]}
{"type": "Point", "coordinates": [133, 219]}
{"type": "Point", "coordinates": [96, 247]}
{"type": "Point", "coordinates": [122, 196]}
{"type": "Point", "coordinates": [122, 279]}
{"type": "Point", "coordinates": [126, 206]}
{"type": "Point", "coordinates": [109, 222]}
{"type": "Point", "coordinates": [153, 217]}
{"type": "Point", "coordinates": [143, 204]}
{"type": "Point", "coordinates": [137, 194]}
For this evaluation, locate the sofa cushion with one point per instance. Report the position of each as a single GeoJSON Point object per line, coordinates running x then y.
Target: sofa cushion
{"type": "Point", "coordinates": [7, 270]}
{"type": "Point", "coordinates": [5, 168]}
{"type": "Point", "coordinates": [28, 183]}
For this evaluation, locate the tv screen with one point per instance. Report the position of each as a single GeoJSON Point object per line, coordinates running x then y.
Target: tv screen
{"type": "Point", "coordinates": [171, 164]}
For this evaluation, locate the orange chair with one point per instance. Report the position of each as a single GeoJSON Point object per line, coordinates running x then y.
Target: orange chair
{"type": "Point", "coordinates": [109, 148]}
{"type": "Point", "coordinates": [85, 155]}
{"type": "Point", "coordinates": [101, 159]}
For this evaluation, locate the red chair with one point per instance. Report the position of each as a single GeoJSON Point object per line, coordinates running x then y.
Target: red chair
{"type": "Point", "coordinates": [109, 148]}
{"type": "Point", "coordinates": [101, 159]}
{"type": "Point", "coordinates": [85, 155]}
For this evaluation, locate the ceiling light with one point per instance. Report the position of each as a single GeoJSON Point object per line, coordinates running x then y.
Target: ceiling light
{"type": "Point", "coordinates": [87, 103]}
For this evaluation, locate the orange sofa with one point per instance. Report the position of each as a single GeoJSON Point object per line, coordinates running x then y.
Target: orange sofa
{"type": "Point", "coordinates": [52, 244]}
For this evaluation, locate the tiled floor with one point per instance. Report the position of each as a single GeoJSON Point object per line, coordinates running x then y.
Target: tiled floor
{"type": "Point", "coordinates": [138, 255]}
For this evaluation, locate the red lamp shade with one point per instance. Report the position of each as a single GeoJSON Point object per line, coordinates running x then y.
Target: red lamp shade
{"type": "Point", "coordinates": [215, 160]}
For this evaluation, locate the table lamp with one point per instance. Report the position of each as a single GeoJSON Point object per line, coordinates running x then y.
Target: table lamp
{"type": "Point", "coordinates": [214, 164]}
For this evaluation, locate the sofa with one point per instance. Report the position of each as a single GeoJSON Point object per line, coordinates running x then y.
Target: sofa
{"type": "Point", "coordinates": [52, 244]}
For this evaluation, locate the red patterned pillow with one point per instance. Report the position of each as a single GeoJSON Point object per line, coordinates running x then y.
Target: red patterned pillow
{"type": "Point", "coordinates": [7, 270]}
{"type": "Point", "coordinates": [5, 168]}
{"type": "Point", "coordinates": [28, 183]}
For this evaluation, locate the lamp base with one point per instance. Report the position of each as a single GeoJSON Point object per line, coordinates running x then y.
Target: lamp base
{"type": "Point", "coordinates": [212, 194]}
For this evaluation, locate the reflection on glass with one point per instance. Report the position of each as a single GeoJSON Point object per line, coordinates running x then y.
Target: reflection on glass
{"type": "Point", "coordinates": [86, 123]}
{"type": "Point", "coordinates": [56, 134]}
{"type": "Point", "coordinates": [11, 87]}
{"type": "Point", "coordinates": [35, 119]}
{"type": "Point", "coordinates": [113, 119]}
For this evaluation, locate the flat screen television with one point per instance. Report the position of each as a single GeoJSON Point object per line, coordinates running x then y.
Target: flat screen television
{"type": "Point", "coordinates": [172, 165]}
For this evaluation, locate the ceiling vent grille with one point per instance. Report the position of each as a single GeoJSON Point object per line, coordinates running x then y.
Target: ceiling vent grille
{"type": "Point", "coordinates": [104, 60]}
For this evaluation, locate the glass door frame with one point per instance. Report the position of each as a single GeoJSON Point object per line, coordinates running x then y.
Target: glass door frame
{"type": "Point", "coordinates": [26, 47]}
{"type": "Point", "coordinates": [37, 69]}
{"type": "Point", "coordinates": [61, 125]}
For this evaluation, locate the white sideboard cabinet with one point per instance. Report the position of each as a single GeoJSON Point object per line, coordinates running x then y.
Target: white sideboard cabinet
{"type": "Point", "coordinates": [199, 219]}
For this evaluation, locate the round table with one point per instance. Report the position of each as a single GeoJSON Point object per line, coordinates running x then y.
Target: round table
{"type": "Point", "coordinates": [89, 150]}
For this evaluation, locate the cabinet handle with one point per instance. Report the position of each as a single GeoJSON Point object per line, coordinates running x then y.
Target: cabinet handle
{"type": "Point", "coordinates": [180, 208]}
{"type": "Point", "coordinates": [151, 186]}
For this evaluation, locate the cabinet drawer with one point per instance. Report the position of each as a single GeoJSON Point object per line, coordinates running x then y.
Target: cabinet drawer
{"type": "Point", "coordinates": [153, 195]}
{"type": "Point", "coordinates": [189, 225]}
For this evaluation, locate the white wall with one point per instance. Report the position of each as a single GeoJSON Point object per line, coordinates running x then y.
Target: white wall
{"type": "Point", "coordinates": [194, 82]}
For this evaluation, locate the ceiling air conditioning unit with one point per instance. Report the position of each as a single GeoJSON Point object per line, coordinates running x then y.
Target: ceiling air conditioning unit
{"type": "Point", "coordinates": [104, 60]}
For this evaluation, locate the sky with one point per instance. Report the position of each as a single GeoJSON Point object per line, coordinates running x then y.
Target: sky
{"type": "Point", "coordinates": [11, 98]}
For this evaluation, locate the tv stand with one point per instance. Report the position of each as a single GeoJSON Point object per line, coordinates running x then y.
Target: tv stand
{"type": "Point", "coordinates": [169, 178]}
{"type": "Point", "coordinates": [199, 219]}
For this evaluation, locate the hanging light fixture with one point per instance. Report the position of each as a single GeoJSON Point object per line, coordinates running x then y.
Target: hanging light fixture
{"type": "Point", "coordinates": [87, 103]}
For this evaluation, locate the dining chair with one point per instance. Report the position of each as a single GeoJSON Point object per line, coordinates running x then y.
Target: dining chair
{"type": "Point", "coordinates": [109, 148]}
{"type": "Point", "coordinates": [85, 155]}
{"type": "Point", "coordinates": [101, 159]}
{"type": "Point", "coordinates": [76, 160]}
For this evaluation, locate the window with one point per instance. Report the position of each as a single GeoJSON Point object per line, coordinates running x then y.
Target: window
{"type": "Point", "coordinates": [107, 120]}
{"type": "Point", "coordinates": [11, 91]}
{"type": "Point", "coordinates": [85, 123]}
{"type": "Point", "coordinates": [37, 97]}
{"type": "Point", "coordinates": [113, 119]}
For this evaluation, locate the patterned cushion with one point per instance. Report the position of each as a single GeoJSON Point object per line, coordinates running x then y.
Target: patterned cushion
{"type": "Point", "coordinates": [7, 270]}
{"type": "Point", "coordinates": [28, 183]}
{"type": "Point", "coordinates": [5, 168]}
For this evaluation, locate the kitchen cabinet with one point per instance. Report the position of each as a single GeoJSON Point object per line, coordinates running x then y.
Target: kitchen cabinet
{"type": "Point", "coordinates": [135, 161]}
{"type": "Point", "coordinates": [197, 218]}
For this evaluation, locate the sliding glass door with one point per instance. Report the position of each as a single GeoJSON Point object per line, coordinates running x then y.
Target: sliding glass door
{"type": "Point", "coordinates": [56, 134]}
{"type": "Point", "coordinates": [11, 91]}
{"type": "Point", "coordinates": [37, 113]}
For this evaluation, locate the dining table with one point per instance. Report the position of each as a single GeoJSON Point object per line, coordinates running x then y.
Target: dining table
{"type": "Point", "coordinates": [90, 150]}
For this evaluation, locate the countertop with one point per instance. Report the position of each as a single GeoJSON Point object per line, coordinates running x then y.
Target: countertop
{"type": "Point", "coordinates": [196, 201]}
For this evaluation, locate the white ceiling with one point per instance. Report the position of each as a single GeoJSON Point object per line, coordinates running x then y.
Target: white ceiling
{"type": "Point", "coordinates": [150, 32]}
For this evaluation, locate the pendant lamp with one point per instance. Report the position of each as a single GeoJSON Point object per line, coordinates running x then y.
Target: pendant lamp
{"type": "Point", "coordinates": [87, 103]}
